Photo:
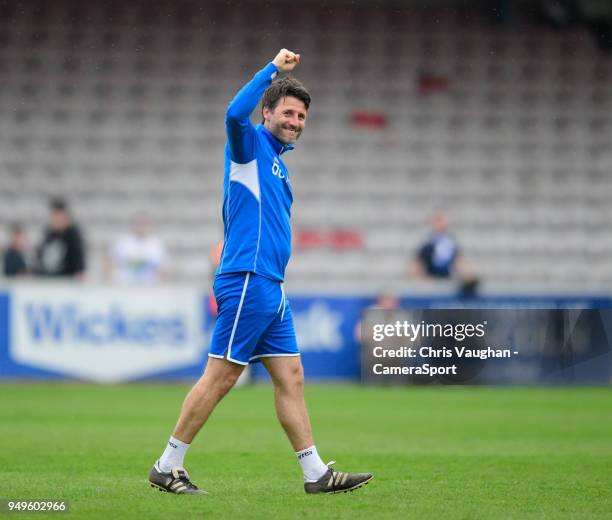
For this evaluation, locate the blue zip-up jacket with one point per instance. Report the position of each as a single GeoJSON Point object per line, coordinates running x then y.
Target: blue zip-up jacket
{"type": "Point", "coordinates": [257, 194]}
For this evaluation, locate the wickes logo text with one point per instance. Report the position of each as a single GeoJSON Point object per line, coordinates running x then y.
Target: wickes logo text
{"type": "Point", "coordinates": [59, 323]}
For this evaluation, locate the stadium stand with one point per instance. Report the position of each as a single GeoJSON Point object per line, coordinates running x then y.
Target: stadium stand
{"type": "Point", "coordinates": [119, 106]}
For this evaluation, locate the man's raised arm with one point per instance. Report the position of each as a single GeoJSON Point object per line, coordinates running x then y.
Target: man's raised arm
{"type": "Point", "coordinates": [240, 131]}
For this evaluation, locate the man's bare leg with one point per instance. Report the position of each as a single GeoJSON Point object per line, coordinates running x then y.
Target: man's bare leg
{"type": "Point", "coordinates": [168, 473]}
{"type": "Point", "coordinates": [288, 378]}
{"type": "Point", "coordinates": [218, 379]}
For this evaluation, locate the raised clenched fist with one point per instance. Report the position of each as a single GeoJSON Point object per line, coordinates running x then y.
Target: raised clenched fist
{"type": "Point", "coordinates": [286, 60]}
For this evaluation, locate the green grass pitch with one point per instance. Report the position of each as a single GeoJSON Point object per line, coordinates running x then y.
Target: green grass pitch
{"type": "Point", "coordinates": [437, 453]}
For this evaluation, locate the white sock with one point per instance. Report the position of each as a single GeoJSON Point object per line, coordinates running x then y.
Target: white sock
{"type": "Point", "coordinates": [311, 463]}
{"type": "Point", "coordinates": [173, 455]}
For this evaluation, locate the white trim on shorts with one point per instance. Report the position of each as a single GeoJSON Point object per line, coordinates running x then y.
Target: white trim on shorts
{"type": "Point", "coordinates": [274, 355]}
{"type": "Point", "coordinates": [231, 340]}
{"type": "Point", "coordinates": [282, 300]}
{"type": "Point", "coordinates": [228, 359]}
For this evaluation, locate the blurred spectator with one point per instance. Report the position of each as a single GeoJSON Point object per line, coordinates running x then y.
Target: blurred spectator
{"type": "Point", "coordinates": [62, 251]}
{"type": "Point", "coordinates": [387, 305]}
{"type": "Point", "coordinates": [14, 256]}
{"type": "Point", "coordinates": [387, 301]}
{"type": "Point", "coordinates": [440, 257]}
{"type": "Point", "coordinates": [138, 257]}
{"type": "Point", "coordinates": [215, 258]}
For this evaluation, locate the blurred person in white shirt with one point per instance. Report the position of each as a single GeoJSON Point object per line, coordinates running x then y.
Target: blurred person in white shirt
{"type": "Point", "coordinates": [138, 257]}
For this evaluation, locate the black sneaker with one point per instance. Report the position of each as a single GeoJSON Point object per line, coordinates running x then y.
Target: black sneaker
{"type": "Point", "coordinates": [177, 481]}
{"type": "Point", "coordinates": [337, 482]}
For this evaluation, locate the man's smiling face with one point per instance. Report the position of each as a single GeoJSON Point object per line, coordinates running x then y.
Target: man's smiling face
{"type": "Point", "coordinates": [286, 120]}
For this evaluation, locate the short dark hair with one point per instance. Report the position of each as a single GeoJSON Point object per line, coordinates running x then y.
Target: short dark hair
{"type": "Point", "coordinates": [58, 204]}
{"type": "Point", "coordinates": [283, 87]}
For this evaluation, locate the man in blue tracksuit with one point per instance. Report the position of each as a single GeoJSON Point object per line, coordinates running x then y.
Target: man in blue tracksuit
{"type": "Point", "coordinates": [254, 320]}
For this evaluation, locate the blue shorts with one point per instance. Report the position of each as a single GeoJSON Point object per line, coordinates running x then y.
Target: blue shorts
{"type": "Point", "coordinates": [254, 319]}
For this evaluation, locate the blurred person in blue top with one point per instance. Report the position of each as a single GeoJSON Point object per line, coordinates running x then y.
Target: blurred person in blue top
{"type": "Point", "coordinates": [439, 257]}
{"type": "Point", "coordinates": [255, 322]}
{"type": "Point", "coordinates": [14, 258]}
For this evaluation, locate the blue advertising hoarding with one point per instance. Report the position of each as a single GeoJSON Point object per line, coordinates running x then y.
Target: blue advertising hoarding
{"type": "Point", "coordinates": [113, 335]}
